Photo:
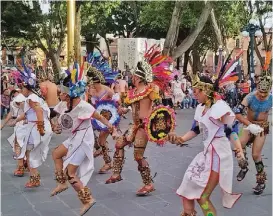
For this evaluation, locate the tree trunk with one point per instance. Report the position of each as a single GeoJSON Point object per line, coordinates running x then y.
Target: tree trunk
{"type": "Point", "coordinates": [91, 42]}
{"type": "Point", "coordinates": [177, 63]}
{"type": "Point", "coordinates": [90, 47]}
{"type": "Point", "coordinates": [187, 43]}
{"type": "Point", "coordinates": [55, 60]}
{"type": "Point", "coordinates": [258, 52]}
{"type": "Point", "coordinates": [174, 26]}
{"type": "Point", "coordinates": [216, 28]}
{"type": "Point", "coordinates": [108, 47]}
{"type": "Point", "coordinates": [196, 64]}
{"type": "Point", "coordinates": [78, 33]}
{"type": "Point", "coordinates": [186, 61]}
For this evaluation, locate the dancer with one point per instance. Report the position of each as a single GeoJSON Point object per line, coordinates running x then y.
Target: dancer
{"type": "Point", "coordinates": [258, 104]}
{"type": "Point", "coordinates": [141, 99]}
{"type": "Point", "coordinates": [49, 91]}
{"type": "Point", "coordinates": [215, 164]}
{"type": "Point", "coordinates": [120, 86]}
{"type": "Point", "coordinates": [178, 93]}
{"type": "Point", "coordinates": [16, 109]}
{"type": "Point", "coordinates": [37, 128]}
{"type": "Point", "coordinates": [98, 74]}
{"type": "Point", "coordinates": [74, 159]}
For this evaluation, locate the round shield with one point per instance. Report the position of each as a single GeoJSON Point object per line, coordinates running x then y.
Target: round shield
{"type": "Point", "coordinates": [109, 110]}
{"type": "Point", "coordinates": [160, 123]}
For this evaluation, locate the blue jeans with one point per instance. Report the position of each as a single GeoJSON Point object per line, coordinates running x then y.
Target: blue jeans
{"type": "Point", "coordinates": [186, 103]}
{"type": "Point", "coordinates": [3, 111]}
{"type": "Point", "coordinates": [194, 103]}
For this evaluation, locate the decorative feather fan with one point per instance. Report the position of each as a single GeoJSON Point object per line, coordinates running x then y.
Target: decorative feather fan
{"type": "Point", "coordinates": [227, 75]}
{"type": "Point", "coordinates": [100, 68]}
{"type": "Point", "coordinates": [24, 74]}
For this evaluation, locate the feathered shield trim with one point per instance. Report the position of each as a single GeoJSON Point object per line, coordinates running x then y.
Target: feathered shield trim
{"type": "Point", "coordinates": [109, 110]}
{"type": "Point", "coordinates": [159, 124]}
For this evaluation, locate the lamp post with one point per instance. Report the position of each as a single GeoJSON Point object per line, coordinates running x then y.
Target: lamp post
{"type": "Point", "coordinates": [252, 30]}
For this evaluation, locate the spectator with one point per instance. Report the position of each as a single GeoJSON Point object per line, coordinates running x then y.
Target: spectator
{"type": "Point", "coordinates": [5, 101]}
{"type": "Point", "coordinates": [186, 103]}
{"type": "Point", "coordinates": [183, 83]}
{"type": "Point", "coordinates": [167, 96]}
{"type": "Point", "coordinates": [178, 94]}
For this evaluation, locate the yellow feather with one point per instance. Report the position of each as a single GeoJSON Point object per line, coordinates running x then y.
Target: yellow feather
{"type": "Point", "coordinates": [73, 75]}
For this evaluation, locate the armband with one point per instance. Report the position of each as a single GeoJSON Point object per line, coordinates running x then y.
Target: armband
{"type": "Point", "coordinates": [228, 131]}
{"type": "Point", "coordinates": [195, 127]}
{"type": "Point", "coordinates": [157, 101]}
{"type": "Point", "coordinates": [234, 129]}
{"type": "Point", "coordinates": [239, 109]}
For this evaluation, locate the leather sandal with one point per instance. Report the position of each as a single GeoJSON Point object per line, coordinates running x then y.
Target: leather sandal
{"type": "Point", "coordinates": [105, 168]}
{"type": "Point", "coordinates": [145, 190]}
{"type": "Point", "coordinates": [97, 153]}
{"type": "Point", "coordinates": [113, 179]}
{"type": "Point", "coordinates": [34, 181]}
{"type": "Point", "coordinates": [19, 172]}
{"type": "Point", "coordinates": [86, 199]}
{"type": "Point", "coordinates": [59, 189]}
{"type": "Point", "coordinates": [241, 175]}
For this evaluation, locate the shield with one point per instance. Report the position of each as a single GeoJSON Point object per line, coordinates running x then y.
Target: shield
{"type": "Point", "coordinates": [160, 123]}
{"type": "Point", "coordinates": [109, 110]}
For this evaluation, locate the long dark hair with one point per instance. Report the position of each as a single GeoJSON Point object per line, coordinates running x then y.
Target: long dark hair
{"type": "Point", "coordinates": [12, 93]}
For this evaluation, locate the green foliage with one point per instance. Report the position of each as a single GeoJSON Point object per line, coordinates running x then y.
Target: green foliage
{"type": "Point", "coordinates": [97, 18]}
{"type": "Point", "coordinates": [232, 16]}
{"type": "Point", "coordinates": [22, 24]}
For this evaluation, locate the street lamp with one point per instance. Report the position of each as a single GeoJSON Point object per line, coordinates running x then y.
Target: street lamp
{"type": "Point", "coordinates": [252, 29]}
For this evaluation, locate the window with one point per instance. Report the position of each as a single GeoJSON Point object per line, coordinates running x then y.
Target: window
{"type": "Point", "coordinates": [237, 43]}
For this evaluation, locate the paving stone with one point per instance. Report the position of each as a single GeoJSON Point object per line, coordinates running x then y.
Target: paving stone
{"type": "Point", "coordinates": [169, 162]}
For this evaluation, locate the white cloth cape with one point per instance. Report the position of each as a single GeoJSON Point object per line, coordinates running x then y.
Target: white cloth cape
{"type": "Point", "coordinates": [197, 175]}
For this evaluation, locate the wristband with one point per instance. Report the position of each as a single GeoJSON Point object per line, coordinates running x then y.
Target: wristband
{"type": "Point", "coordinates": [40, 126]}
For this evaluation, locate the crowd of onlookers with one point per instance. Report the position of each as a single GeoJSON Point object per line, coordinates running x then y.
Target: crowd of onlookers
{"type": "Point", "coordinates": [179, 93]}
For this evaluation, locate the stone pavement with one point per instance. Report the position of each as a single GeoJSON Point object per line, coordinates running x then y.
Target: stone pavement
{"type": "Point", "coordinates": [169, 162]}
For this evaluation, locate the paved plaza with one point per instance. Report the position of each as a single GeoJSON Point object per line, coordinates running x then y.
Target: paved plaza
{"type": "Point", "coordinates": [119, 199]}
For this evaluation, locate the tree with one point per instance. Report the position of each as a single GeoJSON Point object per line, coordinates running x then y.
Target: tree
{"type": "Point", "coordinates": [45, 31]}
{"type": "Point", "coordinates": [264, 14]}
{"type": "Point", "coordinates": [187, 43]}
{"type": "Point", "coordinates": [97, 20]}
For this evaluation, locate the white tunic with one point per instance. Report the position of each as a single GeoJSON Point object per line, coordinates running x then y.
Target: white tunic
{"type": "Point", "coordinates": [38, 153]}
{"type": "Point", "coordinates": [197, 175]}
{"type": "Point", "coordinates": [177, 91]}
{"type": "Point", "coordinates": [78, 121]}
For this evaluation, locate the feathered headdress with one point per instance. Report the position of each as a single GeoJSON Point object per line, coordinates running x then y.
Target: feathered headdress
{"type": "Point", "coordinates": [99, 70]}
{"type": "Point", "coordinates": [73, 83]}
{"type": "Point", "coordinates": [225, 76]}
{"type": "Point", "coordinates": [265, 80]}
{"type": "Point", "coordinates": [25, 75]}
{"type": "Point", "coordinates": [155, 67]}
